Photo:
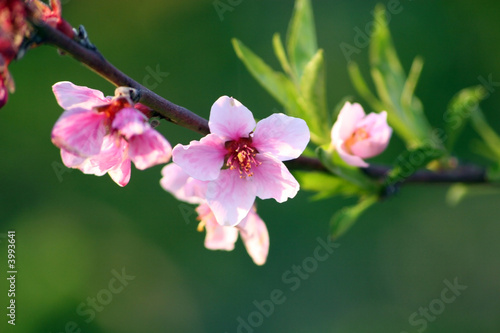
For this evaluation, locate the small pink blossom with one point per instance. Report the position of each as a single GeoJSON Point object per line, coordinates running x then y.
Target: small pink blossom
{"type": "Point", "coordinates": [252, 229]}
{"type": "Point", "coordinates": [13, 29]}
{"type": "Point", "coordinates": [51, 15]}
{"type": "Point", "coordinates": [242, 160]}
{"type": "Point", "coordinates": [100, 135]}
{"type": "Point", "coordinates": [357, 136]}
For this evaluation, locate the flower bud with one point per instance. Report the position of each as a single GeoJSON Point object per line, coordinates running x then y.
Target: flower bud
{"type": "Point", "coordinates": [357, 136]}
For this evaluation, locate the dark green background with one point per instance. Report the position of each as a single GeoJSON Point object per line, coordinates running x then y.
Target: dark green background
{"type": "Point", "coordinates": [72, 233]}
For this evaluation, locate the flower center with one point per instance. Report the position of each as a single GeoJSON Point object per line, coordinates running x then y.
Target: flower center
{"type": "Point", "coordinates": [241, 155]}
{"type": "Point", "coordinates": [113, 107]}
{"type": "Point", "coordinates": [359, 135]}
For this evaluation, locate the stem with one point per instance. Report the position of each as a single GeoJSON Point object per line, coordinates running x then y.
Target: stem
{"type": "Point", "coordinates": [168, 110]}
{"type": "Point", "coordinates": [186, 118]}
{"type": "Point", "coordinates": [460, 174]}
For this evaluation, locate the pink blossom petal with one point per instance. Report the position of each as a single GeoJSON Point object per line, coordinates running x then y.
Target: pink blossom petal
{"type": "Point", "coordinates": [70, 160]}
{"type": "Point", "coordinates": [379, 134]}
{"type": "Point", "coordinates": [282, 136]}
{"type": "Point", "coordinates": [4, 94]}
{"type": "Point", "coordinates": [255, 236]}
{"type": "Point", "coordinates": [380, 131]}
{"type": "Point", "coordinates": [70, 96]}
{"type": "Point", "coordinates": [349, 158]}
{"type": "Point", "coordinates": [367, 148]}
{"type": "Point", "coordinates": [80, 132]}
{"type": "Point", "coordinates": [130, 122]}
{"type": "Point", "coordinates": [217, 237]}
{"type": "Point", "coordinates": [273, 180]}
{"type": "Point", "coordinates": [230, 197]}
{"type": "Point", "coordinates": [230, 120]}
{"type": "Point", "coordinates": [149, 149]}
{"type": "Point", "coordinates": [121, 174]}
{"type": "Point", "coordinates": [202, 159]}
{"type": "Point", "coordinates": [349, 117]}
{"type": "Point", "coordinates": [196, 189]}
{"type": "Point", "coordinates": [181, 185]}
{"type": "Point", "coordinates": [111, 156]}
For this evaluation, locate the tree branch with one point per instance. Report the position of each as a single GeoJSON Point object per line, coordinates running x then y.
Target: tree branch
{"type": "Point", "coordinates": [95, 61]}
{"type": "Point", "coordinates": [186, 118]}
{"type": "Point", "coordinates": [460, 174]}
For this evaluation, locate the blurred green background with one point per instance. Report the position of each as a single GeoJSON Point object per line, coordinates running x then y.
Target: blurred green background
{"type": "Point", "coordinates": [74, 230]}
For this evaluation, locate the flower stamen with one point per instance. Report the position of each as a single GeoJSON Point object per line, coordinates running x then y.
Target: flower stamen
{"type": "Point", "coordinates": [241, 156]}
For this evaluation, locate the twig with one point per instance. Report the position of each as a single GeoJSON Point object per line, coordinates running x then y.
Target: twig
{"type": "Point", "coordinates": [168, 110]}
{"type": "Point", "coordinates": [186, 118]}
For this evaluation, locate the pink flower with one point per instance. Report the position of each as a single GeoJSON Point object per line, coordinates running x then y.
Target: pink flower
{"type": "Point", "coordinates": [13, 29]}
{"type": "Point", "coordinates": [241, 159]}
{"type": "Point", "coordinates": [357, 136]}
{"type": "Point", "coordinates": [100, 135]}
{"type": "Point", "coordinates": [252, 229]}
{"type": "Point", "coordinates": [51, 15]}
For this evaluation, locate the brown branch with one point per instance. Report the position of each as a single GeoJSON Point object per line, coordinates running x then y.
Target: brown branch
{"type": "Point", "coordinates": [186, 118]}
{"type": "Point", "coordinates": [168, 110]}
{"type": "Point", "coordinates": [460, 174]}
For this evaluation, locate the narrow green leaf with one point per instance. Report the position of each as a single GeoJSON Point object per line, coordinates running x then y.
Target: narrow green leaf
{"type": "Point", "coordinates": [282, 89]}
{"type": "Point", "coordinates": [411, 83]}
{"type": "Point", "coordinates": [410, 161]}
{"type": "Point", "coordinates": [489, 136]}
{"type": "Point", "coordinates": [362, 88]}
{"type": "Point", "coordinates": [411, 105]}
{"type": "Point", "coordinates": [393, 88]}
{"type": "Point", "coordinates": [276, 83]}
{"type": "Point", "coordinates": [479, 147]}
{"type": "Point", "coordinates": [301, 36]}
{"type": "Point", "coordinates": [383, 55]}
{"type": "Point", "coordinates": [344, 219]}
{"type": "Point", "coordinates": [459, 110]}
{"type": "Point", "coordinates": [313, 89]}
{"type": "Point", "coordinates": [280, 53]}
{"type": "Point", "coordinates": [325, 185]}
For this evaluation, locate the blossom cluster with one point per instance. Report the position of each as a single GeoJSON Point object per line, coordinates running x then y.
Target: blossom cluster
{"type": "Point", "coordinates": [223, 173]}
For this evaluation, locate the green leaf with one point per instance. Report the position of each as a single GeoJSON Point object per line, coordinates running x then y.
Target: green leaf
{"type": "Point", "coordinates": [410, 161]}
{"type": "Point", "coordinates": [479, 147]}
{"type": "Point", "coordinates": [301, 36]}
{"type": "Point", "coordinates": [354, 175]}
{"type": "Point", "coordinates": [411, 105]}
{"type": "Point", "coordinates": [344, 219]}
{"type": "Point", "coordinates": [394, 89]}
{"type": "Point", "coordinates": [313, 89]}
{"type": "Point", "coordinates": [276, 83]}
{"type": "Point", "coordinates": [279, 51]}
{"type": "Point", "coordinates": [488, 135]}
{"type": "Point", "coordinates": [460, 108]}
{"type": "Point", "coordinates": [324, 184]}
{"type": "Point", "coordinates": [411, 84]}
{"type": "Point", "coordinates": [362, 88]}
